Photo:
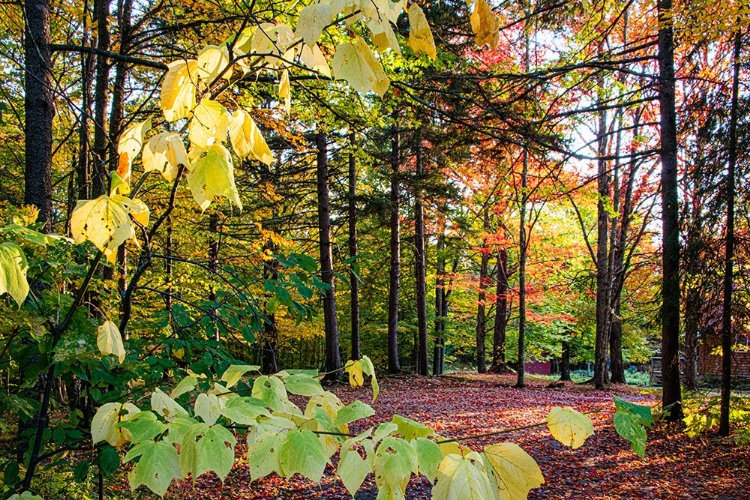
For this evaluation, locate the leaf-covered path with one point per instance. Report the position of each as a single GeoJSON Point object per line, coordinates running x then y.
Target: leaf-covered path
{"type": "Point", "coordinates": [675, 466]}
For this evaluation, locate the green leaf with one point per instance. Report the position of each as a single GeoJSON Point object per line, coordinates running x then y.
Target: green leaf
{"type": "Point", "coordinates": [353, 469]}
{"type": "Point", "coordinates": [628, 425]}
{"type": "Point", "coordinates": [215, 452]}
{"type": "Point", "coordinates": [208, 408]}
{"type": "Point", "coordinates": [411, 429]}
{"type": "Point", "coordinates": [189, 449]}
{"type": "Point", "coordinates": [351, 412]}
{"type": "Point", "coordinates": [157, 467]}
{"type": "Point", "coordinates": [26, 495]}
{"type": "Point", "coordinates": [369, 369]}
{"type": "Point", "coordinates": [459, 478]}
{"type": "Point", "coordinates": [234, 373]}
{"type": "Point", "coordinates": [245, 411]}
{"type": "Point", "coordinates": [643, 412]}
{"type": "Point", "coordinates": [143, 426]}
{"type": "Point", "coordinates": [187, 384]}
{"type": "Point", "coordinates": [514, 471]}
{"type": "Point", "coordinates": [10, 473]}
{"type": "Point", "coordinates": [430, 456]}
{"type": "Point", "coordinates": [81, 471]}
{"type": "Point", "coordinates": [569, 427]}
{"type": "Point", "coordinates": [303, 452]}
{"type": "Point", "coordinates": [213, 175]}
{"type": "Point", "coordinates": [13, 267]}
{"type": "Point", "coordinates": [109, 340]}
{"type": "Point", "coordinates": [383, 430]}
{"type": "Point", "coordinates": [303, 385]}
{"type": "Point", "coordinates": [272, 391]}
{"type": "Point", "coordinates": [395, 461]}
{"type": "Point", "coordinates": [109, 460]}
{"type": "Point", "coordinates": [165, 406]}
{"type": "Point", "coordinates": [263, 455]}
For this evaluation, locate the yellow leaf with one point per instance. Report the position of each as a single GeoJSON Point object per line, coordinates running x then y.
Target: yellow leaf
{"type": "Point", "coordinates": [130, 144]}
{"type": "Point", "coordinates": [356, 64]}
{"type": "Point", "coordinates": [165, 153]}
{"type": "Point", "coordinates": [13, 267]}
{"type": "Point", "coordinates": [285, 90]}
{"type": "Point", "coordinates": [381, 80]}
{"type": "Point", "coordinates": [178, 89]}
{"type": "Point", "coordinates": [420, 36]}
{"type": "Point", "coordinates": [271, 41]}
{"type": "Point", "coordinates": [514, 471]}
{"type": "Point", "coordinates": [213, 175]}
{"type": "Point", "coordinates": [104, 424]}
{"type": "Point", "coordinates": [383, 36]}
{"type": "Point", "coordinates": [211, 62]}
{"type": "Point", "coordinates": [312, 21]}
{"type": "Point", "coordinates": [459, 478]}
{"type": "Point", "coordinates": [109, 340]}
{"type": "Point", "coordinates": [209, 124]}
{"type": "Point", "coordinates": [312, 57]}
{"type": "Point", "coordinates": [247, 139]}
{"type": "Point", "coordinates": [354, 369]}
{"type": "Point", "coordinates": [106, 222]}
{"type": "Point", "coordinates": [163, 405]}
{"type": "Point", "coordinates": [485, 25]}
{"type": "Point", "coordinates": [569, 427]}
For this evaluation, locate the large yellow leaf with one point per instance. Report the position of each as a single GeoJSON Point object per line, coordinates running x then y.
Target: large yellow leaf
{"type": "Point", "coordinates": [388, 9]}
{"type": "Point", "coordinates": [569, 427]}
{"type": "Point", "coordinates": [213, 175]}
{"type": "Point", "coordinates": [13, 267]}
{"type": "Point", "coordinates": [312, 21]}
{"type": "Point", "coordinates": [212, 61]}
{"type": "Point", "coordinates": [104, 424]}
{"type": "Point", "coordinates": [383, 36]}
{"type": "Point", "coordinates": [354, 369]}
{"type": "Point", "coordinates": [109, 340]}
{"type": "Point", "coordinates": [130, 144]}
{"type": "Point", "coordinates": [247, 139]}
{"type": "Point", "coordinates": [459, 478]}
{"type": "Point", "coordinates": [285, 89]}
{"type": "Point", "coordinates": [178, 89]}
{"type": "Point", "coordinates": [271, 40]}
{"type": "Point", "coordinates": [514, 471]}
{"type": "Point", "coordinates": [106, 221]}
{"type": "Point", "coordinates": [356, 64]}
{"type": "Point", "coordinates": [485, 24]}
{"type": "Point", "coordinates": [165, 153]}
{"type": "Point", "coordinates": [312, 57]}
{"type": "Point", "coordinates": [209, 124]}
{"type": "Point", "coordinates": [420, 35]}
{"type": "Point", "coordinates": [381, 80]}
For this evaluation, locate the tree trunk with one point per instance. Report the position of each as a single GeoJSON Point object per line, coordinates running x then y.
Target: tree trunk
{"type": "Point", "coordinates": [565, 362]}
{"type": "Point", "coordinates": [332, 353]}
{"type": "Point", "coordinates": [520, 382]}
{"type": "Point", "coordinates": [40, 110]}
{"type": "Point", "coordinates": [355, 353]}
{"type": "Point", "coordinates": [501, 313]}
{"type": "Point", "coordinates": [602, 276]}
{"type": "Point", "coordinates": [100, 173]}
{"type": "Point", "coordinates": [481, 313]}
{"type": "Point", "coordinates": [419, 267]}
{"type": "Point", "coordinates": [213, 265]}
{"type": "Point", "coordinates": [670, 313]}
{"type": "Point", "coordinates": [270, 335]}
{"type": "Point", "coordinates": [437, 366]}
{"type": "Point", "coordinates": [121, 73]}
{"type": "Point", "coordinates": [726, 324]}
{"type": "Point", "coordinates": [83, 170]}
{"type": "Point", "coordinates": [394, 365]}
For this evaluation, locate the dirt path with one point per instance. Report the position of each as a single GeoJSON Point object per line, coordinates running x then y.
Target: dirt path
{"type": "Point", "coordinates": [675, 467]}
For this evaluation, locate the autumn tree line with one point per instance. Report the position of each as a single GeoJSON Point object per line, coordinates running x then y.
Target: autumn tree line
{"type": "Point", "coordinates": [558, 179]}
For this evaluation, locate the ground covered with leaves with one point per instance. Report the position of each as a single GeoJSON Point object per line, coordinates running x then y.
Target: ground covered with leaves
{"type": "Point", "coordinates": [675, 466]}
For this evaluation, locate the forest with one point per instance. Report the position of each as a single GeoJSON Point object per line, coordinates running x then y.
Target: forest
{"type": "Point", "coordinates": [372, 249]}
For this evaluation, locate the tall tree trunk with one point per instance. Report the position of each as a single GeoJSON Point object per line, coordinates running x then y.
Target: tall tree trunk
{"type": "Point", "coordinates": [270, 335]}
{"type": "Point", "coordinates": [565, 362]}
{"type": "Point", "coordinates": [83, 170]}
{"type": "Point", "coordinates": [100, 174]}
{"type": "Point", "coordinates": [602, 276]}
{"type": "Point", "coordinates": [332, 353]}
{"type": "Point", "coordinates": [670, 312]}
{"type": "Point", "coordinates": [726, 323]}
{"type": "Point", "coordinates": [355, 353]}
{"type": "Point", "coordinates": [394, 365]}
{"type": "Point", "coordinates": [168, 268]}
{"type": "Point", "coordinates": [501, 313]}
{"type": "Point", "coordinates": [522, 244]}
{"type": "Point", "coordinates": [213, 265]}
{"type": "Point", "coordinates": [481, 309]}
{"type": "Point", "coordinates": [440, 299]}
{"type": "Point", "coordinates": [40, 110]}
{"type": "Point", "coordinates": [122, 69]}
{"type": "Point", "coordinates": [419, 266]}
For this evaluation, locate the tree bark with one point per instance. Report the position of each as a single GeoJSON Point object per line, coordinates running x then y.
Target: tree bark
{"type": "Point", "coordinates": [332, 353]}
{"type": "Point", "coordinates": [522, 244]}
{"type": "Point", "coordinates": [670, 346]}
{"type": "Point", "coordinates": [481, 310]}
{"type": "Point", "coordinates": [213, 264]}
{"type": "Point", "coordinates": [602, 275]}
{"type": "Point", "coordinates": [100, 173]}
{"type": "Point", "coordinates": [440, 301]}
{"type": "Point", "coordinates": [501, 314]}
{"type": "Point", "coordinates": [40, 110]}
{"type": "Point", "coordinates": [394, 365]}
{"type": "Point", "coordinates": [270, 334]}
{"type": "Point", "coordinates": [419, 267]}
{"type": "Point", "coordinates": [565, 362]}
{"type": "Point", "coordinates": [355, 351]}
{"type": "Point", "coordinates": [726, 324]}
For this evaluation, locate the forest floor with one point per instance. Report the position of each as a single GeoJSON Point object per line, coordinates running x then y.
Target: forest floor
{"type": "Point", "coordinates": [675, 466]}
